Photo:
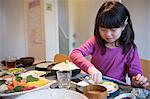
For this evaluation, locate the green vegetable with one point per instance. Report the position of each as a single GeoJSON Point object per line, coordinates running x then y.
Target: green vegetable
{"type": "Point", "coordinates": [18, 78]}
{"type": "Point", "coordinates": [18, 88]}
{"type": "Point", "coordinates": [2, 82]}
{"type": "Point", "coordinates": [101, 82]}
{"type": "Point", "coordinates": [30, 78]}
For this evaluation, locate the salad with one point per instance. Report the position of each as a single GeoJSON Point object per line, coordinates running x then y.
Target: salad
{"type": "Point", "coordinates": [15, 83]}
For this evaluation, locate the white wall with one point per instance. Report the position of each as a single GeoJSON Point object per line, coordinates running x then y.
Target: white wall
{"type": "Point", "coordinates": [140, 13]}
{"type": "Point", "coordinates": [13, 41]}
{"type": "Point", "coordinates": [82, 14]}
{"type": "Point", "coordinates": [1, 29]}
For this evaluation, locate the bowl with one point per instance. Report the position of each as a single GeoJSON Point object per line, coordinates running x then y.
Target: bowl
{"type": "Point", "coordinates": [27, 61]}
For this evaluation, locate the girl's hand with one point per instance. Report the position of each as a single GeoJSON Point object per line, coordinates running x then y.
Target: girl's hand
{"type": "Point", "coordinates": [139, 81]}
{"type": "Point", "coordinates": [95, 74]}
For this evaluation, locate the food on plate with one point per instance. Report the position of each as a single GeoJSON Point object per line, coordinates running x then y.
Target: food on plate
{"type": "Point", "coordinates": [18, 83]}
{"type": "Point", "coordinates": [34, 73]}
{"type": "Point", "coordinates": [6, 76]}
{"type": "Point", "coordinates": [1, 72]}
{"type": "Point", "coordinates": [16, 70]}
{"type": "Point", "coordinates": [65, 66]}
{"type": "Point", "coordinates": [39, 83]}
{"type": "Point", "coordinates": [111, 86]}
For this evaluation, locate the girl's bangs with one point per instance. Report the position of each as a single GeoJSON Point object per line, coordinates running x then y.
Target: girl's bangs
{"type": "Point", "coordinates": [108, 20]}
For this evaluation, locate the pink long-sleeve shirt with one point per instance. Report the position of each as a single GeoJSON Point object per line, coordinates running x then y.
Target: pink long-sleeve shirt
{"type": "Point", "coordinates": [113, 64]}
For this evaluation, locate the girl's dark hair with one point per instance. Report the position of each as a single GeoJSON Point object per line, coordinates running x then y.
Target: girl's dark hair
{"type": "Point", "coordinates": [113, 14]}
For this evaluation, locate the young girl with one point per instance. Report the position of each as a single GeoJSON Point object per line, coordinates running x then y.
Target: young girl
{"type": "Point", "coordinates": [112, 47]}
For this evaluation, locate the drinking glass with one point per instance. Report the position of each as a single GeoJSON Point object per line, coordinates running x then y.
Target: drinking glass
{"type": "Point", "coordinates": [10, 61]}
{"type": "Point", "coordinates": [64, 78]}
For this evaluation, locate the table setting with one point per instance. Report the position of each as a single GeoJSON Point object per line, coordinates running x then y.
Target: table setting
{"type": "Point", "coordinates": [63, 79]}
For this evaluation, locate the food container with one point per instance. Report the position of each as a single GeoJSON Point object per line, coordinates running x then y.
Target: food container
{"type": "Point", "coordinates": [27, 61]}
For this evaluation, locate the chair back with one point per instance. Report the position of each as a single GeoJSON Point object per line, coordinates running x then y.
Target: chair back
{"type": "Point", "coordinates": [146, 69]}
{"type": "Point", "coordinates": [61, 58]}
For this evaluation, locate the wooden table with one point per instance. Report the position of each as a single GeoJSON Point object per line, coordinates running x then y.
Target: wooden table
{"type": "Point", "coordinates": [123, 87]}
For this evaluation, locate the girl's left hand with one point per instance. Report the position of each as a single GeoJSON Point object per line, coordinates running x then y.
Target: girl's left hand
{"type": "Point", "coordinates": [139, 81]}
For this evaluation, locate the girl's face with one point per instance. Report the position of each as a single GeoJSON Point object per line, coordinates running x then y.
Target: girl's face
{"type": "Point", "coordinates": [110, 35]}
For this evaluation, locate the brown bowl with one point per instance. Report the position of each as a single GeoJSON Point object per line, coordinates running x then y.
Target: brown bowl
{"type": "Point", "coordinates": [95, 92]}
{"type": "Point", "coordinates": [27, 61]}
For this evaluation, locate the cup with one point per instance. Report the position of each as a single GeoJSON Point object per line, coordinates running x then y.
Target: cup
{"type": "Point", "coordinates": [10, 61]}
{"type": "Point", "coordinates": [95, 92]}
{"type": "Point", "coordinates": [63, 78]}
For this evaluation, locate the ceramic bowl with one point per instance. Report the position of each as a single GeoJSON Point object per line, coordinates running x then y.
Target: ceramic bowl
{"type": "Point", "coordinates": [27, 61]}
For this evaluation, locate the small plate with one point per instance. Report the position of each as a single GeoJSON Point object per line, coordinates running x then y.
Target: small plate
{"type": "Point", "coordinates": [111, 86]}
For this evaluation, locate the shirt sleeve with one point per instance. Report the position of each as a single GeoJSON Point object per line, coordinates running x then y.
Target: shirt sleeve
{"type": "Point", "coordinates": [135, 66]}
{"type": "Point", "coordinates": [78, 55]}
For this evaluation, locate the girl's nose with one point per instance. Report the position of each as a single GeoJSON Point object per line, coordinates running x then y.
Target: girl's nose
{"type": "Point", "coordinates": [109, 33]}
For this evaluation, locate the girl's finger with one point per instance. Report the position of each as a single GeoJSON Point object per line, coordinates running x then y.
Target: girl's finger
{"type": "Point", "coordinates": [144, 80]}
{"type": "Point", "coordinates": [141, 80]}
{"type": "Point", "coordinates": [145, 85]}
{"type": "Point", "coordinates": [138, 76]}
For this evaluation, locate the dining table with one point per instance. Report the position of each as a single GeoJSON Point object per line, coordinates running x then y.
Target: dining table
{"type": "Point", "coordinates": [123, 87]}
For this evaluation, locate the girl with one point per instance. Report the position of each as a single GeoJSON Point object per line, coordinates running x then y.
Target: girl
{"type": "Point", "coordinates": [112, 47]}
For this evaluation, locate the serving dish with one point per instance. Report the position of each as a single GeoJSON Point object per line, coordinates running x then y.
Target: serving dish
{"type": "Point", "coordinates": [53, 94]}
{"type": "Point", "coordinates": [16, 85]}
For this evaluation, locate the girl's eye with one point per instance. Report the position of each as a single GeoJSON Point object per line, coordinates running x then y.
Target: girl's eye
{"type": "Point", "coordinates": [113, 30]}
{"type": "Point", "coordinates": [104, 30]}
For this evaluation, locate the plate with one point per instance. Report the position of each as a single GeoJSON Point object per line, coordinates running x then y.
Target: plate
{"type": "Point", "coordinates": [53, 94]}
{"type": "Point", "coordinates": [34, 73]}
{"type": "Point", "coordinates": [22, 92]}
{"type": "Point", "coordinates": [111, 86]}
{"type": "Point", "coordinates": [45, 65]}
{"type": "Point", "coordinates": [16, 71]}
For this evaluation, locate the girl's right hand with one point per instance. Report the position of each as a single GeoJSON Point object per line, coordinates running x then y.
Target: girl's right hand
{"type": "Point", "coordinates": [95, 74]}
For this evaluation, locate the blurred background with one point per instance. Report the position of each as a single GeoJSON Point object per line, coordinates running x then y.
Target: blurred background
{"type": "Point", "coordinates": [42, 28]}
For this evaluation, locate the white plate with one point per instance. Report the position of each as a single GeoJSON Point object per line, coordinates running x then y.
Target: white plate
{"type": "Point", "coordinates": [44, 65]}
{"type": "Point", "coordinates": [52, 94]}
{"type": "Point", "coordinates": [34, 73]}
{"type": "Point", "coordinates": [22, 92]}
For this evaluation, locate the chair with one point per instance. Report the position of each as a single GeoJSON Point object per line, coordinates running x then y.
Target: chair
{"type": "Point", "coordinates": [146, 69]}
{"type": "Point", "coordinates": [61, 58]}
